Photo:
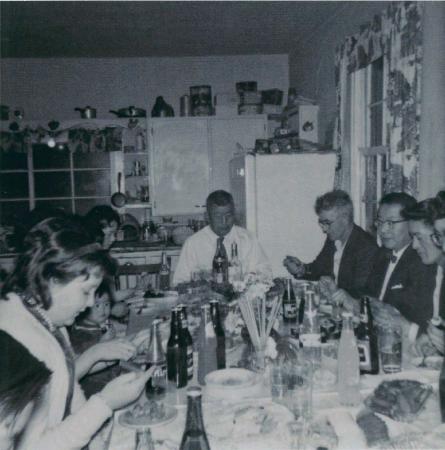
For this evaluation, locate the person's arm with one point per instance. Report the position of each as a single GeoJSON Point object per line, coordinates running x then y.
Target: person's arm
{"type": "Point", "coordinates": [365, 252]}
{"type": "Point", "coordinates": [322, 264]}
{"type": "Point", "coordinates": [98, 356]}
{"type": "Point", "coordinates": [183, 268]}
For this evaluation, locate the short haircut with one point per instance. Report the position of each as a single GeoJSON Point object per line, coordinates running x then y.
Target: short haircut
{"type": "Point", "coordinates": [105, 289]}
{"type": "Point", "coordinates": [402, 199]}
{"type": "Point", "coordinates": [55, 248]}
{"type": "Point", "coordinates": [334, 199]}
{"type": "Point", "coordinates": [439, 206]}
{"type": "Point", "coordinates": [219, 198]}
{"type": "Point", "coordinates": [420, 211]}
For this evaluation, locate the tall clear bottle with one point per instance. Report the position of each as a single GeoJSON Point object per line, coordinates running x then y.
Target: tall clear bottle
{"type": "Point", "coordinates": [348, 384]}
{"type": "Point", "coordinates": [176, 352]}
{"type": "Point", "coordinates": [157, 385]}
{"type": "Point", "coordinates": [144, 440]}
{"type": "Point", "coordinates": [220, 264]}
{"type": "Point", "coordinates": [367, 340]}
{"type": "Point", "coordinates": [235, 268]}
{"type": "Point", "coordinates": [310, 332]}
{"type": "Point", "coordinates": [207, 345]}
{"type": "Point", "coordinates": [194, 437]}
{"type": "Point", "coordinates": [182, 310]}
{"type": "Point", "coordinates": [220, 335]}
{"type": "Point", "coordinates": [164, 273]}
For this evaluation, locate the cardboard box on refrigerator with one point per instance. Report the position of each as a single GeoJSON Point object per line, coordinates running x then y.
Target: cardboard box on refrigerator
{"type": "Point", "coordinates": [304, 119]}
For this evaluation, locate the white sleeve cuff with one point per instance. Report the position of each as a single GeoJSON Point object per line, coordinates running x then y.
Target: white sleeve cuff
{"type": "Point", "coordinates": [412, 333]}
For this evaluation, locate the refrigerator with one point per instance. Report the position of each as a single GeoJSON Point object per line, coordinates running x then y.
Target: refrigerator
{"type": "Point", "coordinates": [274, 198]}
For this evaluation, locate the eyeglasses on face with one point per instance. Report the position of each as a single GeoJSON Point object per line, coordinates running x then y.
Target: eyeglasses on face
{"type": "Point", "coordinates": [326, 223]}
{"type": "Point", "coordinates": [437, 238]}
{"type": "Point", "coordinates": [389, 223]}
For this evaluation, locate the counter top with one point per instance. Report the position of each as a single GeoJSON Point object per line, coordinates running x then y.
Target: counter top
{"type": "Point", "coordinates": [142, 246]}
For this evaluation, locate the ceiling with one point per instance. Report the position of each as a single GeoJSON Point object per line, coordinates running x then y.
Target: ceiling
{"type": "Point", "coordinates": [155, 29]}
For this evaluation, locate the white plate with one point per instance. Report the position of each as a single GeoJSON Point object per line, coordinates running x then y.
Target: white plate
{"type": "Point", "coordinates": [127, 420]}
{"type": "Point", "coordinates": [231, 378]}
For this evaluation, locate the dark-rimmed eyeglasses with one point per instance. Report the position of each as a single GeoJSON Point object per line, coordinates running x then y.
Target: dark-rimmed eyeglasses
{"type": "Point", "coordinates": [389, 223]}
{"type": "Point", "coordinates": [437, 238]}
{"type": "Point", "coordinates": [326, 223]}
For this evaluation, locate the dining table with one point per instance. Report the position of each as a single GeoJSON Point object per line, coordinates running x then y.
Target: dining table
{"type": "Point", "coordinates": [257, 421]}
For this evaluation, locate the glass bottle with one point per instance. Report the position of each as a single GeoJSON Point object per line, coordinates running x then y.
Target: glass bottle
{"type": "Point", "coordinates": [176, 353]}
{"type": "Point", "coordinates": [310, 333]}
{"type": "Point", "coordinates": [183, 323]}
{"type": "Point", "coordinates": [348, 384]}
{"type": "Point", "coordinates": [289, 303]}
{"type": "Point", "coordinates": [194, 437]}
{"type": "Point", "coordinates": [164, 273]}
{"type": "Point", "coordinates": [367, 340]}
{"type": "Point", "coordinates": [220, 335]}
{"type": "Point", "coordinates": [442, 391]}
{"type": "Point", "coordinates": [207, 345]}
{"type": "Point", "coordinates": [144, 440]}
{"type": "Point", "coordinates": [235, 268]}
{"type": "Point", "coordinates": [220, 264]}
{"type": "Point", "coordinates": [156, 386]}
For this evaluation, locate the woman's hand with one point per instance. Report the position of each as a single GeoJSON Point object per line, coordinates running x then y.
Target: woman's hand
{"type": "Point", "coordinates": [115, 350]}
{"type": "Point", "coordinates": [119, 310]}
{"type": "Point", "coordinates": [125, 389]}
{"type": "Point", "coordinates": [140, 338]}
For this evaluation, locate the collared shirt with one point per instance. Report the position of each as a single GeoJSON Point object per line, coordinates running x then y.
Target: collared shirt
{"type": "Point", "coordinates": [392, 265]}
{"type": "Point", "coordinates": [198, 251]}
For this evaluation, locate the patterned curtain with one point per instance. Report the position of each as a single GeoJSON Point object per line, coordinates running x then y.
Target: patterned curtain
{"type": "Point", "coordinates": [397, 35]}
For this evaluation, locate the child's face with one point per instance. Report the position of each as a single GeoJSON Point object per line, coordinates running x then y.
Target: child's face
{"type": "Point", "coordinates": [100, 311]}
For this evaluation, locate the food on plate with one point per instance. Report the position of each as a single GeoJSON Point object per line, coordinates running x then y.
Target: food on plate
{"type": "Point", "coordinates": [399, 399]}
{"type": "Point", "coordinates": [231, 382]}
{"type": "Point", "coordinates": [373, 427]}
{"type": "Point", "coordinates": [430, 362]}
{"type": "Point", "coordinates": [144, 413]}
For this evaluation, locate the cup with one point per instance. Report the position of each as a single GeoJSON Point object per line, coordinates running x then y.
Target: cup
{"type": "Point", "coordinates": [325, 378]}
{"type": "Point", "coordinates": [390, 348]}
{"type": "Point", "coordinates": [278, 383]}
{"type": "Point", "coordinates": [299, 432]}
{"type": "Point", "coordinates": [299, 391]}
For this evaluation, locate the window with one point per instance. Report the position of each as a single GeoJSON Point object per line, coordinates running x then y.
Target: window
{"type": "Point", "coordinates": [57, 177]}
{"type": "Point", "coordinates": [369, 156]}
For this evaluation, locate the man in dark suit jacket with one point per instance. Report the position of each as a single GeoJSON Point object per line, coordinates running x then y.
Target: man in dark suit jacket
{"type": "Point", "coordinates": [347, 251]}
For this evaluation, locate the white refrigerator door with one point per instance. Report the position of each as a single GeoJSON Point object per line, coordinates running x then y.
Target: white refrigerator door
{"type": "Point", "coordinates": [284, 194]}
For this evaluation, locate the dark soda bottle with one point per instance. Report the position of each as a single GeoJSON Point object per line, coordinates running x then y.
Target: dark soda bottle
{"type": "Point", "coordinates": [289, 303]}
{"type": "Point", "coordinates": [164, 274]}
{"type": "Point", "coordinates": [194, 437]}
{"type": "Point", "coordinates": [367, 340]}
{"type": "Point", "coordinates": [220, 265]}
{"type": "Point", "coordinates": [220, 335]}
{"type": "Point", "coordinates": [176, 353]}
{"type": "Point", "coordinates": [184, 329]}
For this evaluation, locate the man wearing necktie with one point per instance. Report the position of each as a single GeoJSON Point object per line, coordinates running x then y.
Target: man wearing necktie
{"type": "Point", "coordinates": [398, 276]}
{"type": "Point", "coordinates": [347, 250]}
{"type": "Point", "coordinates": [198, 250]}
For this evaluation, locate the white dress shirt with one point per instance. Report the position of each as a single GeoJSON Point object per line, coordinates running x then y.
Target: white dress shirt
{"type": "Point", "coordinates": [339, 247]}
{"type": "Point", "coordinates": [436, 293]}
{"type": "Point", "coordinates": [198, 251]}
{"type": "Point", "coordinates": [392, 265]}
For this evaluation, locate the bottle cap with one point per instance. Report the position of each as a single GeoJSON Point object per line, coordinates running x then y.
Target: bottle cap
{"type": "Point", "coordinates": [347, 315]}
{"type": "Point", "coordinates": [194, 391]}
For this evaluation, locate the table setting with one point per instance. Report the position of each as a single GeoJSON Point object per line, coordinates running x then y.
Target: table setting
{"type": "Point", "coordinates": [274, 394]}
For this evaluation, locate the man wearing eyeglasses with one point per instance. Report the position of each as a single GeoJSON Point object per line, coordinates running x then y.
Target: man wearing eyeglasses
{"type": "Point", "coordinates": [347, 251]}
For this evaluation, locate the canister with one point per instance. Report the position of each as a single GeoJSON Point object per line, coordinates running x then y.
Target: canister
{"type": "Point", "coordinates": [201, 100]}
{"type": "Point", "coordinates": [184, 105]}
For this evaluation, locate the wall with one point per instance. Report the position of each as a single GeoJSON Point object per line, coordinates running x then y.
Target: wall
{"type": "Point", "coordinates": [52, 88]}
{"type": "Point", "coordinates": [312, 63]}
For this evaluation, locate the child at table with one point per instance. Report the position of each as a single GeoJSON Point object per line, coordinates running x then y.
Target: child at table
{"type": "Point", "coordinates": [90, 328]}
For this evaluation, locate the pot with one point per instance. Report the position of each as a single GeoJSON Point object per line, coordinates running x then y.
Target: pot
{"type": "Point", "coordinates": [118, 199]}
{"type": "Point", "coordinates": [87, 112]}
{"type": "Point", "coordinates": [131, 111]}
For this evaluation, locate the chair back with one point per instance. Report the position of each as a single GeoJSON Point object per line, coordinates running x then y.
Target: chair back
{"type": "Point", "coordinates": [138, 276]}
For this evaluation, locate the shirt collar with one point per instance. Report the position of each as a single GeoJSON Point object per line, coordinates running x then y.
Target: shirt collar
{"type": "Point", "coordinates": [399, 253]}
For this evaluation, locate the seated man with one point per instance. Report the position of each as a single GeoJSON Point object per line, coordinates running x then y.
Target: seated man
{"type": "Point", "coordinates": [398, 276]}
{"type": "Point", "coordinates": [347, 251]}
{"type": "Point", "coordinates": [198, 250]}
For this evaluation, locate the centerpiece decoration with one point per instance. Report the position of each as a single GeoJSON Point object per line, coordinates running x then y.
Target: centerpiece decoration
{"type": "Point", "coordinates": [259, 311]}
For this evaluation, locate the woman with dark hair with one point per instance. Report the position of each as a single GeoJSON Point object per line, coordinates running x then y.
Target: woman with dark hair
{"type": "Point", "coordinates": [54, 280]}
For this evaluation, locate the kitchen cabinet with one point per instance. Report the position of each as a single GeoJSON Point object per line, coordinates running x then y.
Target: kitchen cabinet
{"type": "Point", "coordinates": [190, 158]}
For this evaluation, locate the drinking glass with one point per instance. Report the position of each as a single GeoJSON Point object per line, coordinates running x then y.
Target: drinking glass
{"type": "Point", "coordinates": [278, 382]}
{"type": "Point", "coordinates": [390, 348]}
{"type": "Point", "coordinates": [299, 432]}
{"type": "Point", "coordinates": [299, 391]}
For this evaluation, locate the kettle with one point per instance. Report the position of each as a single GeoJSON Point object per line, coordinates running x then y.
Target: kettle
{"type": "Point", "coordinates": [162, 109]}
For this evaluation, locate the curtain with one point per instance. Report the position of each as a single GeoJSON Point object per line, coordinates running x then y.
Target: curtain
{"type": "Point", "coordinates": [397, 36]}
